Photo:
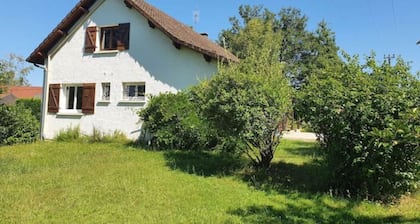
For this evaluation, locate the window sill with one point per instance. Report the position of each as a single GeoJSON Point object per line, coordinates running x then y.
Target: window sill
{"type": "Point", "coordinates": [131, 102]}
{"type": "Point", "coordinates": [106, 52]}
{"type": "Point", "coordinates": [69, 114]}
{"type": "Point", "coordinates": [104, 101]}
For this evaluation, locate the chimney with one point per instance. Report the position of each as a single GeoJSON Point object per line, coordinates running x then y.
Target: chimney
{"type": "Point", "coordinates": [204, 34]}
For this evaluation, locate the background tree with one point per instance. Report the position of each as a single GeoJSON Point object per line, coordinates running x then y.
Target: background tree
{"type": "Point", "coordinates": [13, 72]}
{"type": "Point", "coordinates": [301, 51]}
{"type": "Point", "coordinates": [247, 101]}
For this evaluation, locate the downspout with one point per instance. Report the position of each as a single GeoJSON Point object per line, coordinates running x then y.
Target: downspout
{"type": "Point", "coordinates": [44, 100]}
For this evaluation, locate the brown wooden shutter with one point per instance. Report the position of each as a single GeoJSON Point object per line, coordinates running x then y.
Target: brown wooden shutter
{"type": "Point", "coordinates": [90, 40]}
{"type": "Point", "coordinates": [124, 36]}
{"type": "Point", "coordinates": [53, 98]}
{"type": "Point", "coordinates": [88, 100]}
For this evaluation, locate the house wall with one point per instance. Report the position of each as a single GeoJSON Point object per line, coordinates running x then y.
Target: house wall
{"type": "Point", "coordinates": [151, 59]}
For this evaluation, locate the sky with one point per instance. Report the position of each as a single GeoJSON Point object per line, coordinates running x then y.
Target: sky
{"type": "Point", "coordinates": [387, 27]}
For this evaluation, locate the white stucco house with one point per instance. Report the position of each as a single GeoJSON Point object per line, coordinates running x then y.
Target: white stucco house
{"type": "Point", "coordinates": [106, 56]}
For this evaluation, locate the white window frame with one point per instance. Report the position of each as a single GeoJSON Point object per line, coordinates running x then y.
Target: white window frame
{"type": "Point", "coordinates": [106, 91]}
{"type": "Point", "coordinates": [77, 98]}
{"type": "Point", "coordinates": [132, 91]}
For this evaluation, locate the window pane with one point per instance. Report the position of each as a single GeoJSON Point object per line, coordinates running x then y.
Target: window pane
{"type": "Point", "coordinates": [106, 91]}
{"type": "Point", "coordinates": [141, 89]}
{"type": "Point", "coordinates": [79, 97]}
{"type": "Point", "coordinates": [70, 97]}
{"type": "Point", "coordinates": [131, 91]}
{"type": "Point", "coordinates": [109, 38]}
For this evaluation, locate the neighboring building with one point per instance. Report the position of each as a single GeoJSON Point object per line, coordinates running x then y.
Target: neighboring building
{"type": "Point", "coordinates": [106, 56]}
{"type": "Point", "coordinates": [14, 93]}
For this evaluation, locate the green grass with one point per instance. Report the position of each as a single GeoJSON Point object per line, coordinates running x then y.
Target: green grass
{"type": "Point", "coordinates": [114, 183]}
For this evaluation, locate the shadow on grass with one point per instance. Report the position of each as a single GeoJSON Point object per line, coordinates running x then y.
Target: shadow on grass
{"type": "Point", "coordinates": [284, 177]}
{"type": "Point", "coordinates": [204, 163]}
{"type": "Point", "coordinates": [318, 212]}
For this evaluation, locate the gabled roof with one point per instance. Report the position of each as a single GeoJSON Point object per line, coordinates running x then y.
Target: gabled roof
{"type": "Point", "coordinates": [176, 31]}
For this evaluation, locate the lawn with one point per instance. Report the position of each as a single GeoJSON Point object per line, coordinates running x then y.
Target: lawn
{"type": "Point", "coordinates": [113, 183]}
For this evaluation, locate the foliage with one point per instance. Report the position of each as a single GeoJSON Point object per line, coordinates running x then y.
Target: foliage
{"type": "Point", "coordinates": [73, 134]}
{"type": "Point", "coordinates": [367, 117]}
{"type": "Point", "coordinates": [62, 182]}
{"type": "Point", "coordinates": [17, 125]}
{"type": "Point", "coordinates": [300, 50]}
{"type": "Point", "coordinates": [34, 105]}
{"type": "Point", "coordinates": [69, 135]}
{"type": "Point", "coordinates": [13, 72]}
{"type": "Point", "coordinates": [172, 122]}
{"type": "Point", "coordinates": [247, 101]}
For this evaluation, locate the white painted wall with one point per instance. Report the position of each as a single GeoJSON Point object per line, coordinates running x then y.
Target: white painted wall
{"type": "Point", "coordinates": [151, 59]}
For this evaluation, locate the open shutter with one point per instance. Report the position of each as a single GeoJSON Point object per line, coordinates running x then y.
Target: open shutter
{"type": "Point", "coordinates": [88, 100]}
{"type": "Point", "coordinates": [90, 40]}
{"type": "Point", "coordinates": [53, 98]}
{"type": "Point", "coordinates": [124, 36]}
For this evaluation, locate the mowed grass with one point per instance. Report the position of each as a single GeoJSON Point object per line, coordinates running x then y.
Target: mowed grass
{"type": "Point", "coordinates": [114, 183]}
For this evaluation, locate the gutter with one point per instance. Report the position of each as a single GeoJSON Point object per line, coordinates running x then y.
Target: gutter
{"type": "Point", "coordinates": [44, 100]}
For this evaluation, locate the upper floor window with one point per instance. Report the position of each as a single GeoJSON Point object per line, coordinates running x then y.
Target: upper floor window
{"type": "Point", "coordinates": [107, 38]}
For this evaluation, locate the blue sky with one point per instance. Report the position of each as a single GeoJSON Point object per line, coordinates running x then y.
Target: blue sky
{"type": "Point", "coordinates": [361, 26]}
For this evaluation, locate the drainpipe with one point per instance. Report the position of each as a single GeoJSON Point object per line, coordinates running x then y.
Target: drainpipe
{"type": "Point", "coordinates": [44, 100]}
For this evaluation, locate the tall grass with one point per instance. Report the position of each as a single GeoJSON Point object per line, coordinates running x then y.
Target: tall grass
{"type": "Point", "coordinates": [75, 182]}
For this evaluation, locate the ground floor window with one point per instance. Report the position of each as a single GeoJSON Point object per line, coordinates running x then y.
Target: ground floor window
{"type": "Point", "coordinates": [106, 91]}
{"type": "Point", "coordinates": [134, 91]}
{"type": "Point", "coordinates": [74, 96]}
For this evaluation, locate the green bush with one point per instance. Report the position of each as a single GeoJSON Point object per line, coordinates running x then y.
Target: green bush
{"type": "Point", "coordinates": [368, 120]}
{"type": "Point", "coordinates": [17, 125]}
{"type": "Point", "coordinates": [171, 122]}
{"type": "Point", "coordinates": [34, 105]}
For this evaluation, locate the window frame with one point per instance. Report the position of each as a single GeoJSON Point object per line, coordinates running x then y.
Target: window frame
{"type": "Point", "coordinates": [137, 88]}
{"type": "Point", "coordinates": [76, 98]}
{"type": "Point", "coordinates": [106, 91]}
{"type": "Point", "coordinates": [113, 38]}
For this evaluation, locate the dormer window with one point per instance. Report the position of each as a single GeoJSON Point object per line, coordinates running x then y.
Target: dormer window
{"type": "Point", "coordinates": [108, 38]}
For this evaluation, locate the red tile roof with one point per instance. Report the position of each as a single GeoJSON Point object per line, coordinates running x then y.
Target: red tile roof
{"type": "Point", "coordinates": [178, 32]}
{"type": "Point", "coordinates": [23, 92]}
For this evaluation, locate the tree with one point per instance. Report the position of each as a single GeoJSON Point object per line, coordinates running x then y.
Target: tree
{"type": "Point", "coordinates": [301, 51]}
{"type": "Point", "coordinates": [13, 72]}
{"type": "Point", "coordinates": [247, 101]}
{"type": "Point", "coordinates": [367, 117]}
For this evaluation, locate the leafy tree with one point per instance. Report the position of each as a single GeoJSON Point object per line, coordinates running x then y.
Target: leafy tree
{"type": "Point", "coordinates": [300, 50]}
{"type": "Point", "coordinates": [247, 101]}
{"type": "Point", "coordinates": [368, 121]}
{"type": "Point", "coordinates": [13, 72]}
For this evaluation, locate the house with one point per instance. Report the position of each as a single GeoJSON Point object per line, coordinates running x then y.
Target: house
{"type": "Point", "coordinates": [14, 93]}
{"type": "Point", "coordinates": [106, 57]}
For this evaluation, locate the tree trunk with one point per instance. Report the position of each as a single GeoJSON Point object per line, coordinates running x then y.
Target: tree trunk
{"type": "Point", "coordinates": [267, 155]}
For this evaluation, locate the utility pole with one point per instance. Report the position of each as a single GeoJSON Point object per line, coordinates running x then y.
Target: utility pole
{"type": "Point", "coordinates": [389, 57]}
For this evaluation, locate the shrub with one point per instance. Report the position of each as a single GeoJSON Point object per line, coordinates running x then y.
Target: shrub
{"type": "Point", "coordinates": [17, 125]}
{"type": "Point", "coordinates": [172, 122]}
{"type": "Point", "coordinates": [34, 105]}
{"type": "Point", "coordinates": [367, 118]}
